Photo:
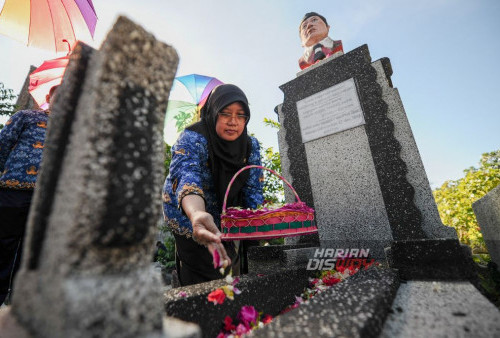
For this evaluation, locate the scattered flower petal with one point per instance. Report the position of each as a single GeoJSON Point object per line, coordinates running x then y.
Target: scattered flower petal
{"type": "Point", "coordinates": [216, 259]}
{"type": "Point", "coordinates": [228, 291]}
{"type": "Point", "coordinates": [228, 324]}
{"type": "Point", "coordinates": [229, 279]}
{"type": "Point", "coordinates": [217, 297]}
{"type": "Point", "coordinates": [267, 319]}
{"type": "Point", "coordinates": [242, 329]}
{"type": "Point", "coordinates": [248, 315]}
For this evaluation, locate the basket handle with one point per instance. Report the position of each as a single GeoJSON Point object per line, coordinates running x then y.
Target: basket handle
{"type": "Point", "coordinates": [259, 167]}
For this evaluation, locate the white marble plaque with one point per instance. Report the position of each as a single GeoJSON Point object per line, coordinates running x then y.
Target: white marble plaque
{"type": "Point", "coordinates": [330, 111]}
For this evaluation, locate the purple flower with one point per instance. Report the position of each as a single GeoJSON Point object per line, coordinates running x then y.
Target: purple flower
{"type": "Point", "coordinates": [248, 315]}
{"type": "Point", "coordinates": [236, 291]}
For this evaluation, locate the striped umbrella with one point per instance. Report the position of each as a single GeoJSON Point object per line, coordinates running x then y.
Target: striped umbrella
{"type": "Point", "coordinates": [49, 24]}
{"type": "Point", "coordinates": [46, 76]}
{"type": "Point", "coordinates": [187, 96]}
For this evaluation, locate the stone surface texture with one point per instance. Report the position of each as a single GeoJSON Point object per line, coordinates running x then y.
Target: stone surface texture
{"type": "Point", "coordinates": [86, 269]}
{"type": "Point", "coordinates": [357, 307]}
{"type": "Point", "coordinates": [264, 259]}
{"type": "Point", "coordinates": [416, 176]}
{"type": "Point", "coordinates": [298, 257]}
{"type": "Point", "coordinates": [432, 259]}
{"type": "Point", "coordinates": [348, 201]}
{"type": "Point", "coordinates": [487, 211]}
{"type": "Point", "coordinates": [441, 309]}
{"type": "Point", "coordinates": [180, 329]}
{"type": "Point", "coordinates": [269, 293]}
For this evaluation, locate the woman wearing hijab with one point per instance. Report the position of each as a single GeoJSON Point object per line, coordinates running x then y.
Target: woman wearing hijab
{"type": "Point", "coordinates": [204, 159]}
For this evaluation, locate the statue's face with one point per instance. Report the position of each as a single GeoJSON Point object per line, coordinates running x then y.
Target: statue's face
{"type": "Point", "coordinates": [312, 31]}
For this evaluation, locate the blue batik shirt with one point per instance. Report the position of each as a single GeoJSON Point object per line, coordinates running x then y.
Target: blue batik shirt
{"type": "Point", "coordinates": [190, 174]}
{"type": "Point", "coordinates": [21, 145]}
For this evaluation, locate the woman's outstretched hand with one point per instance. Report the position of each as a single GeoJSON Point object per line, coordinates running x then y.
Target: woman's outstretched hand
{"type": "Point", "coordinates": [205, 232]}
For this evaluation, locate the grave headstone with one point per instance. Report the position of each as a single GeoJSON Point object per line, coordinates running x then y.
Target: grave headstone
{"type": "Point", "coordinates": [356, 307]}
{"type": "Point", "coordinates": [487, 211]}
{"type": "Point", "coordinates": [86, 269]}
{"type": "Point", "coordinates": [269, 293]}
{"type": "Point", "coordinates": [441, 309]}
{"type": "Point", "coordinates": [347, 148]}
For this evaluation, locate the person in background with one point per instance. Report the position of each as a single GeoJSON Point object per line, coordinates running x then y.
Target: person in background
{"type": "Point", "coordinates": [204, 159]}
{"type": "Point", "coordinates": [21, 146]}
{"type": "Point", "coordinates": [313, 31]}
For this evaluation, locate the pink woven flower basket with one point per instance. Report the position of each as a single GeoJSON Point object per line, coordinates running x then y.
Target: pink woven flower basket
{"type": "Point", "coordinates": [292, 219]}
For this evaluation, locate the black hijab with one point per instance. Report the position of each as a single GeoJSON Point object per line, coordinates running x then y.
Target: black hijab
{"type": "Point", "coordinates": [225, 157]}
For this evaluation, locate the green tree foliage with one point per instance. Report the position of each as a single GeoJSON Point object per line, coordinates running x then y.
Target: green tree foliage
{"type": "Point", "coordinates": [7, 97]}
{"type": "Point", "coordinates": [271, 123]}
{"type": "Point", "coordinates": [273, 186]}
{"type": "Point", "coordinates": [454, 199]}
{"type": "Point", "coordinates": [166, 257]}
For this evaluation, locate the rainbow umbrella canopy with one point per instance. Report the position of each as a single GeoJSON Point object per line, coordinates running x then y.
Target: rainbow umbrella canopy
{"type": "Point", "coordinates": [49, 74]}
{"type": "Point", "coordinates": [187, 96]}
{"type": "Point", "coordinates": [49, 24]}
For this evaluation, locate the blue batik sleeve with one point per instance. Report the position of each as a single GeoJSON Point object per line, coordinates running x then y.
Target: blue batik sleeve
{"type": "Point", "coordinates": [9, 136]}
{"type": "Point", "coordinates": [186, 166]}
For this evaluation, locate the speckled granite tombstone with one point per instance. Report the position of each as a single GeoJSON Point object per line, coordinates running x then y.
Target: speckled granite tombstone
{"type": "Point", "coordinates": [270, 294]}
{"type": "Point", "coordinates": [86, 268]}
{"type": "Point", "coordinates": [487, 211]}
{"type": "Point", "coordinates": [357, 307]}
{"type": "Point", "coordinates": [367, 182]}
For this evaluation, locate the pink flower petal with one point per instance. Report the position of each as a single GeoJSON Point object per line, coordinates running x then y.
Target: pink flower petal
{"type": "Point", "coordinates": [216, 259]}
{"type": "Point", "coordinates": [242, 329]}
{"type": "Point", "coordinates": [248, 315]}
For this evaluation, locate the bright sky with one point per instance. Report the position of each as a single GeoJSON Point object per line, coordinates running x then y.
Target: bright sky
{"type": "Point", "coordinates": [444, 54]}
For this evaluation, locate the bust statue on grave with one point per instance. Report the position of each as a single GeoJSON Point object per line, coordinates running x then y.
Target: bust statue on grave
{"type": "Point", "coordinates": [317, 44]}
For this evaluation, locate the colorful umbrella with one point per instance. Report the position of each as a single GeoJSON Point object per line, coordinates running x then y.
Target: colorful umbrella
{"type": "Point", "coordinates": [187, 96]}
{"type": "Point", "coordinates": [46, 76]}
{"type": "Point", "coordinates": [47, 23]}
